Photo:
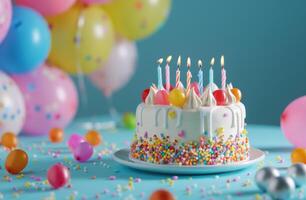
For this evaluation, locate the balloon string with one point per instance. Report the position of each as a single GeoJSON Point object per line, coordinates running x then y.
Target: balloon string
{"type": "Point", "coordinates": [112, 110]}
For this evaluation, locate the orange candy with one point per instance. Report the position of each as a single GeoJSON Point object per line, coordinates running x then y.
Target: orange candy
{"type": "Point", "coordinates": [161, 195]}
{"type": "Point", "coordinates": [16, 161]}
{"type": "Point", "coordinates": [298, 155]}
{"type": "Point", "coordinates": [237, 93]}
{"type": "Point", "coordinates": [56, 135]}
{"type": "Point", "coordinates": [93, 137]}
{"type": "Point", "coordinates": [9, 140]}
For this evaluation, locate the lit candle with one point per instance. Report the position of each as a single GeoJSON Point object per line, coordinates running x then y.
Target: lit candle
{"type": "Point", "coordinates": [178, 73]}
{"type": "Point", "coordinates": [211, 73]}
{"type": "Point", "coordinates": [189, 75]}
{"type": "Point", "coordinates": [167, 73]}
{"type": "Point", "coordinates": [223, 73]}
{"type": "Point", "coordinates": [159, 74]}
{"type": "Point", "coordinates": [200, 76]}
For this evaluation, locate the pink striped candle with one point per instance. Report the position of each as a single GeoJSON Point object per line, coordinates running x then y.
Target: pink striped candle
{"type": "Point", "coordinates": [189, 76]}
{"type": "Point", "coordinates": [178, 73]}
{"type": "Point", "coordinates": [167, 73]}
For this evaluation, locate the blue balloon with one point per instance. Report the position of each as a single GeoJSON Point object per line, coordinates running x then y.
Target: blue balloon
{"type": "Point", "coordinates": [27, 44]}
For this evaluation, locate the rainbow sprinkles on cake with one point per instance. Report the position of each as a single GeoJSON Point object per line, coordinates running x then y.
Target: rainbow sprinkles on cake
{"type": "Point", "coordinates": [190, 124]}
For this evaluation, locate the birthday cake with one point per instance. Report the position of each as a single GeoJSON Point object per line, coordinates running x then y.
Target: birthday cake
{"type": "Point", "coordinates": [191, 124]}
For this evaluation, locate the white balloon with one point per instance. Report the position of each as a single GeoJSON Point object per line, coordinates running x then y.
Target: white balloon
{"type": "Point", "coordinates": [118, 69]}
{"type": "Point", "coordinates": [12, 108]}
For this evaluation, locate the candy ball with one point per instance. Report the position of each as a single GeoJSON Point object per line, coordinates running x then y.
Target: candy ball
{"type": "Point", "coordinates": [196, 88]}
{"type": "Point", "coordinates": [83, 152]}
{"type": "Point", "coordinates": [16, 161]}
{"type": "Point", "coordinates": [144, 94]}
{"type": "Point", "coordinates": [161, 98]}
{"type": "Point", "coordinates": [281, 187]}
{"type": "Point", "coordinates": [56, 135]}
{"type": "Point", "coordinates": [161, 195]}
{"type": "Point", "coordinates": [298, 155]}
{"type": "Point", "coordinates": [298, 173]}
{"type": "Point", "coordinates": [9, 140]}
{"type": "Point", "coordinates": [220, 96]}
{"type": "Point", "coordinates": [58, 175]}
{"type": "Point", "coordinates": [293, 122]}
{"type": "Point", "coordinates": [177, 97]}
{"type": "Point", "coordinates": [93, 137]}
{"type": "Point", "coordinates": [129, 121]}
{"type": "Point", "coordinates": [264, 175]}
{"type": "Point", "coordinates": [237, 93]}
{"type": "Point", "coordinates": [74, 141]}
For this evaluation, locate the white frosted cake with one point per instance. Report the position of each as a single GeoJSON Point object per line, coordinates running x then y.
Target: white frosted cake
{"type": "Point", "coordinates": [191, 126]}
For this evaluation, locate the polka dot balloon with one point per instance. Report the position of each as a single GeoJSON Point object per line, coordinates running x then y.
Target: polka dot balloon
{"type": "Point", "coordinates": [50, 98]}
{"type": "Point", "coordinates": [12, 108]}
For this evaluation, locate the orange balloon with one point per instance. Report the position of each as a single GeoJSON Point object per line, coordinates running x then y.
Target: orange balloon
{"type": "Point", "coordinates": [16, 161]}
{"type": "Point", "coordinates": [237, 93]}
{"type": "Point", "coordinates": [56, 135]}
{"type": "Point", "coordinates": [161, 195]}
{"type": "Point", "coordinates": [93, 137]}
{"type": "Point", "coordinates": [9, 140]}
{"type": "Point", "coordinates": [298, 155]}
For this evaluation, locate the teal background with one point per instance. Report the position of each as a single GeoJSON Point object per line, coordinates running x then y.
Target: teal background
{"type": "Point", "coordinates": [264, 43]}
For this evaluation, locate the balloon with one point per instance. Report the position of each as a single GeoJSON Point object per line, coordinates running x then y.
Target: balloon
{"type": "Point", "coordinates": [83, 152]}
{"type": "Point", "coordinates": [27, 43]}
{"type": "Point", "coordinates": [177, 97]}
{"type": "Point", "coordinates": [161, 194]}
{"type": "Point", "coordinates": [118, 69]}
{"type": "Point", "coordinates": [237, 93]}
{"type": "Point", "coordinates": [9, 140]}
{"type": "Point", "coordinates": [298, 155]}
{"type": "Point", "coordinates": [129, 121]}
{"type": "Point", "coordinates": [161, 98]}
{"type": "Point", "coordinates": [74, 141]}
{"type": "Point", "coordinates": [50, 97]}
{"type": "Point", "coordinates": [82, 39]}
{"type": "Point", "coordinates": [144, 94]}
{"type": "Point", "coordinates": [5, 17]}
{"type": "Point", "coordinates": [58, 175]}
{"type": "Point", "coordinates": [93, 137]}
{"type": "Point", "coordinates": [16, 161]}
{"type": "Point", "coordinates": [56, 135]}
{"type": "Point", "coordinates": [293, 122]}
{"type": "Point", "coordinates": [47, 7]}
{"type": "Point", "coordinates": [95, 1]}
{"type": "Point", "coordinates": [220, 96]}
{"type": "Point", "coordinates": [135, 19]}
{"type": "Point", "coordinates": [12, 108]}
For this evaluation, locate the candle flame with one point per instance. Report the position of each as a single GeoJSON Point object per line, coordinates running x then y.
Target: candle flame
{"type": "Point", "coordinates": [160, 61]}
{"type": "Point", "coordinates": [212, 62]}
{"type": "Point", "coordinates": [222, 61]}
{"type": "Point", "coordinates": [179, 61]}
{"type": "Point", "coordinates": [188, 62]}
{"type": "Point", "coordinates": [200, 64]}
{"type": "Point", "coordinates": [169, 58]}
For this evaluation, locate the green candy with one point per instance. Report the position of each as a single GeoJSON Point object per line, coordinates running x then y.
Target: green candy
{"type": "Point", "coordinates": [129, 121]}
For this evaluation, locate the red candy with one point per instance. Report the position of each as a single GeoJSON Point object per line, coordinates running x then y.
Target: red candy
{"type": "Point", "coordinates": [161, 98]}
{"type": "Point", "coordinates": [58, 175]}
{"type": "Point", "coordinates": [220, 96]}
{"type": "Point", "coordinates": [144, 94]}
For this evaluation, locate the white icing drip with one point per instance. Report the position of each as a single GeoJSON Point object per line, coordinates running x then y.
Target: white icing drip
{"type": "Point", "coordinates": [150, 98]}
{"type": "Point", "coordinates": [193, 101]}
{"type": "Point", "coordinates": [230, 97]}
{"type": "Point", "coordinates": [166, 117]}
{"type": "Point", "coordinates": [156, 116]}
{"type": "Point", "coordinates": [210, 131]}
{"type": "Point", "coordinates": [179, 117]}
{"type": "Point", "coordinates": [208, 98]}
{"type": "Point", "coordinates": [233, 114]}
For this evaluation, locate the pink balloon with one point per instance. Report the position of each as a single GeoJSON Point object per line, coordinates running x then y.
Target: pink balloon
{"type": "Point", "coordinates": [47, 7]}
{"type": "Point", "coordinates": [74, 141]}
{"type": "Point", "coordinates": [5, 17]}
{"type": "Point", "coordinates": [83, 152]}
{"type": "Point", "coordinates": [195, 85]}
{"type": "Point", "coordinates": [95, 1]}
{"type": "Point", "coordinates": [50, 97]}
{"type": "Point", "coordinates": [161, 98]}
{"type": "Point", "coordinates": [293, 122]}
{"type": "Point", "coordinates": [118, 69]}
{"type": "Point", "coordinates": [58, 175]}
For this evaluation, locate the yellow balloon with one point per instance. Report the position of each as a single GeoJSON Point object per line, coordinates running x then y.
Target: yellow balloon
{"type": "Point", "coordinates": [177, 97]}
{"type": "Point", "coordinates": [82, 39]}
{"type": "Point", "coordinates": [137, 19]}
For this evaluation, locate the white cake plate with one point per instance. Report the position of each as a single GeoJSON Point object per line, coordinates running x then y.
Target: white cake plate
{"type": "Point", "coordinates": [122, 156]}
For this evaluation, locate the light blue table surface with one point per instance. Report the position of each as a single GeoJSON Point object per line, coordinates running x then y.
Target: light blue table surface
{"type": "Point", "coordinates": [91, 180]}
